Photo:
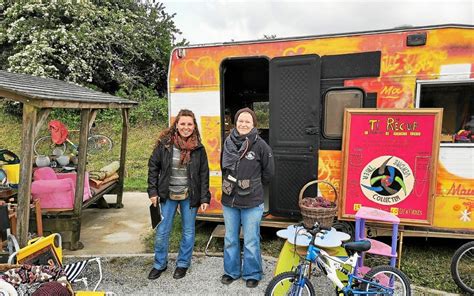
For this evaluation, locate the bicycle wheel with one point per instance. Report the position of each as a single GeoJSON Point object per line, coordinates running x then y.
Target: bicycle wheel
{"type": "Point", "coordinates": [462, 267]}
{"type": "Point", "coordinates": [46, 146]}
{"type": "Point", "coordinates": [384, 277]}
{"type": "Point", "coordinates": [99, 144]}
{"type": "Point", "coordinates": [286, 283]}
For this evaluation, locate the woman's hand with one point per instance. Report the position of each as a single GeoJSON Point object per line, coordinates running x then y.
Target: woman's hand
{"type": "Point", "coordinates": [204, 207]}
{"type": "Point", "coordinates": [154, 200]}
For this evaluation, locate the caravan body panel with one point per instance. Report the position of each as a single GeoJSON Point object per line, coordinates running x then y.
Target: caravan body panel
{"type": "Point", "coordinates": [383, 64]}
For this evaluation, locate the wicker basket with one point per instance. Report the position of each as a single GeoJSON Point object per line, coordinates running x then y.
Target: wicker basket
{"type": "Point", "coordinates": [324, 216]}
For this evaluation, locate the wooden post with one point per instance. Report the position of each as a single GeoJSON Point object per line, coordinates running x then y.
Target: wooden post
{"type": "Point", "coordinates": [400, 249]}
{"type": "Point", "coordinates": [123, 154]}
{"type": "Point", "coordinates": [81, 170]}
{"type": "Point", "coordinates": [39, 219]}
{"type": "Point", "coordinates": [24, 189]}
{"type": "Point", "coordinates": [82, 160]}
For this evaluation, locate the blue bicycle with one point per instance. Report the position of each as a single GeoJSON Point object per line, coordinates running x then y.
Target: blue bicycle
{"type": "Point", "coordinates": [380, 280]}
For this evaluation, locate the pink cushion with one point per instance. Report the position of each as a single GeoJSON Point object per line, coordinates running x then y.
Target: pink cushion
{"type": "Point", "coordinates": [54, 194]}
{"type": "Point", "coordinates": [56, 191]}
{"type": "Point", "coordinates": [73, 176]}
{"type": "Point", "coordinates": [44, 173]}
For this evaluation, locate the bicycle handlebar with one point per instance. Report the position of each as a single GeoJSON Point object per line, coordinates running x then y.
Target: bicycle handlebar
{"type": "Point", "coordinates": [315, 229]}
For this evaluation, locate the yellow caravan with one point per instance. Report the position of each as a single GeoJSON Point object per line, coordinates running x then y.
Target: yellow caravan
{"type": "Point", "coordinates": [299, 88]}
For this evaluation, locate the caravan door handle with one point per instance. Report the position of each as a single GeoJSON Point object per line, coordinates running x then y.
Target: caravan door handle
{"type": "Point", "coordinates": [312, 130]}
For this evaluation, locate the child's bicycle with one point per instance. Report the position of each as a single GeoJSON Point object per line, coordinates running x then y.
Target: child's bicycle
{"type": "Point", "coordinates": [96, 144]}
{"type": "Point", "coordinates": [380, 280]}
{"type": "Point", "coordinates": [462, 267]}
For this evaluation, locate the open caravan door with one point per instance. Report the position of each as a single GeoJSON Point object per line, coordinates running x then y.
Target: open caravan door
{"type": "Point", "coordinates": [294, 129]}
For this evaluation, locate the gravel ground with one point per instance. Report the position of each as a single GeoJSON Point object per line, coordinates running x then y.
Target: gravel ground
{"type": "Point", "coordinates": [127, 275]}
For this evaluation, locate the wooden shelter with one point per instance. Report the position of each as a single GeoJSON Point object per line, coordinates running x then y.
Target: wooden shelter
{"type": "Point", "coordinates": [39, 96]}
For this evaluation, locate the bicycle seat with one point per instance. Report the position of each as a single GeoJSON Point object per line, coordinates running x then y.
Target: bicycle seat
{"type": "Point", "coordinates": [360, 246]}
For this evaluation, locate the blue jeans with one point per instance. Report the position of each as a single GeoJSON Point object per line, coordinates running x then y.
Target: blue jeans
{"type": "Point", "coordinates": [252, 262]}
{"type": "Point", "coordinates": [162, 236]}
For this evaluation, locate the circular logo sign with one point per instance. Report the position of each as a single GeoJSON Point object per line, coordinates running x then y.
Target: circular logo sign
{"type": "Point", "coordinates": [387, 180]}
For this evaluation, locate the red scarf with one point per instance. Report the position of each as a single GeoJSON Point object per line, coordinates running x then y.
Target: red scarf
{"type": "Point", "coordinates": [185, 146]}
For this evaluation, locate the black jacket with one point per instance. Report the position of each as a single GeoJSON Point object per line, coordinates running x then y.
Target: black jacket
{"type": "Point", "coordinates": [258, 166]}
{"type": "Point", "coordinates": [159, 172]}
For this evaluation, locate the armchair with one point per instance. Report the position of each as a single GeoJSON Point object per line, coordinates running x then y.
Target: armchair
{"type": "Point", "coordinates": [56, 191]}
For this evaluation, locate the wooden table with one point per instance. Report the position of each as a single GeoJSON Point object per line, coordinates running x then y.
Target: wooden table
{"type": "Point", "coordinates": [7, 193]}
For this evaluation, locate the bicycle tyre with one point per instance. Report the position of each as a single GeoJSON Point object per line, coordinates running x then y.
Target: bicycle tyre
{"type": "Point", "coordinates": [380, 273]}
{"type": "Point", "coordinates": [277, 285]}
{"type": "Point", "coordinates": [97, 144]}
{"type": "Point", "coordinates": [45, 146]}
{"type": "Point", "coordinates": [462, 267]}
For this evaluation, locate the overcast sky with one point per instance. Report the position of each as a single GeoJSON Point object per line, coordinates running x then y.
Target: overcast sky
{"type": "Point", "coordinates": [220, 21]}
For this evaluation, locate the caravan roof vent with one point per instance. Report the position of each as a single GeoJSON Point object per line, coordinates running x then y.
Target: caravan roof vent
{"type": "Point", "coordinates": [418, 39]}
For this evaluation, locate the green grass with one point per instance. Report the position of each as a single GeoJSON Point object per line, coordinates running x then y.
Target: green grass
{"type": "Point", "coordinates": [426, 262]}
{"type": "Point", "coordinates": [141, 142]}
{"type": "Point", "coordinates": [10, 133]}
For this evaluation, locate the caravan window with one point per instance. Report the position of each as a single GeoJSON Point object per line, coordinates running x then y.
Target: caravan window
{"type": "Point", "coordinates": [457, 101]}
{"type": "Point", "coordinates": [335, 101]}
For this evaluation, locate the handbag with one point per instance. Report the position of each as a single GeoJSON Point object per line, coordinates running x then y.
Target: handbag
{"type": "Point", "coordinates": [228, 184]}
{"type": "Point", "coordinates": [179, 196]}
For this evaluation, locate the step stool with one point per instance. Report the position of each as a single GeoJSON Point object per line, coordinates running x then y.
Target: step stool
{"type": "Point", "coordinates": [219, 231]}
{"type": "Point", "coordinates": [378, 248]}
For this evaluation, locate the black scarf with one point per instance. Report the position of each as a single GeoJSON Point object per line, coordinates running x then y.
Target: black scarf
{"type": "Point", "coordinates": [235, 146]}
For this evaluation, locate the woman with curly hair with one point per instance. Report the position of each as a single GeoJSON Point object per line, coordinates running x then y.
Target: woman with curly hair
{"type": "Point", "coordinates": [178, 174]}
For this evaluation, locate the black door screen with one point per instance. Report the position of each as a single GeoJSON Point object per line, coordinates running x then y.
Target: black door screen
{"type": "Point", "coordinates": [294, 129]}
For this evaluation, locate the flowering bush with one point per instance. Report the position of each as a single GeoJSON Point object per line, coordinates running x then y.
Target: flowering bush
{"type": "Point", "coordinates": [109, 45]}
